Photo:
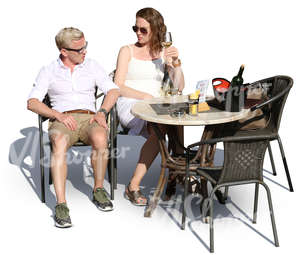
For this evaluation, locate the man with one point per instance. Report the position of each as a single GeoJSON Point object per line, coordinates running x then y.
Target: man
{"type": "Point", "coordinates": [70, 83]}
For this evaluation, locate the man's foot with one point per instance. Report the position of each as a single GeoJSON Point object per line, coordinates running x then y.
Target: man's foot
{"type": "Point", "coordinates": [101, 200]}
{"type": "Point", "coordinates": [62, 218]}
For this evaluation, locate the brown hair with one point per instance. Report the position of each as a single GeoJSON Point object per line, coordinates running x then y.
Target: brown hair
{"type": "Point", "coordinates": [157, 26]}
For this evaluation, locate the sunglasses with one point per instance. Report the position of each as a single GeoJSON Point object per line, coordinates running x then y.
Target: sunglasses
{"type": "Point", "coordinates": [80, 51]}
{"type": "Point", "coordinates": [142, 29]}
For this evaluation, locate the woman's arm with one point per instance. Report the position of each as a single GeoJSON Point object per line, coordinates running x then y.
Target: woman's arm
{"type": "Point", "coordinates": [175, 72]}
{"type": "Point", "coordinates": [121, 72]}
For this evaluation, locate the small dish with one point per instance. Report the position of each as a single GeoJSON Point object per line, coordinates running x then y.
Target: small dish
{"type": "Point", "coordinates": [178, 113]}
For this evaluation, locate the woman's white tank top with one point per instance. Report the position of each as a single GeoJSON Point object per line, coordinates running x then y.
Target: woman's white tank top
{"type": "Point", "coordinates": [142, 75]}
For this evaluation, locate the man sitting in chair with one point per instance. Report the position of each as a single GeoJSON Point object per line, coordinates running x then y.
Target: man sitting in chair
{"type": "Point", "coordinates": [70, 83]}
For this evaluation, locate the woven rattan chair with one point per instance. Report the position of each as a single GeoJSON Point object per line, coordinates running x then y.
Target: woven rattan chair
{"type": "Point", "coordinates": [278, 88]}
{"type": "Point", "coordinates": [243, 164]}
{"type": "Point", "coordinates": [42, 119]}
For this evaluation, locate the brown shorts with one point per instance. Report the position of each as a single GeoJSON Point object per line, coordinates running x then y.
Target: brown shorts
{"type": "Point", "coordinates": [78, 135]}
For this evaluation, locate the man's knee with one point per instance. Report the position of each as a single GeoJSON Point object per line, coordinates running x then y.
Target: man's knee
{"type": "Point", "coordinates": [59, 142]}
{"type": "Point", "coordinates": [98, 140]}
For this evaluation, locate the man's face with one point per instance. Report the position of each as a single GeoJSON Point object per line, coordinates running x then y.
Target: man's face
{"type": "Point", "coordinates": [76, 57]}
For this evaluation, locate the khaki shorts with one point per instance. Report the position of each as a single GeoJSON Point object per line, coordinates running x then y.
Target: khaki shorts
{"type": "Point", "coordinates": [78, 135]}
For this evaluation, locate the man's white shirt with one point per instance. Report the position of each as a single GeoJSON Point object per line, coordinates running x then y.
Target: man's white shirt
{"type": "Point", "coordinates": [70, 91]}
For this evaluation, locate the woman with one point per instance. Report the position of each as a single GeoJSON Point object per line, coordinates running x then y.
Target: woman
{"type": "Point", "coordinates": [139, 74]}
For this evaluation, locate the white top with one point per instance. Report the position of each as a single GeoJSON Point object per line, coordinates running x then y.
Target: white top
{"type": "Point", "coordinates": [142, 75]}
{"type": "Point", "coordinates": [70, 91]}
{"type": "Point", "coordinates": [144, 111]}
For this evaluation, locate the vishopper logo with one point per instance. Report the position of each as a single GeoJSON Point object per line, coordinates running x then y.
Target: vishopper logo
{"type": "Point", "coordinates": [196, 208]}
{"type": "Point", "coordinates": [255, 89]}
{"type": "Point", "coordinates": [31, 145]}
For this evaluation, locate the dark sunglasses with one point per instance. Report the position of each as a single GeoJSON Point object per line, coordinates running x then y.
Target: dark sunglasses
{"type": "Point", "coordinates": [81, 50]}
{"type": "Point", "coordinates": [142, 29]}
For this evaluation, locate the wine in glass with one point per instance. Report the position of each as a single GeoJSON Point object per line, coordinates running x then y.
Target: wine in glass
{"type": "Point", "coordinates": [168, 40]}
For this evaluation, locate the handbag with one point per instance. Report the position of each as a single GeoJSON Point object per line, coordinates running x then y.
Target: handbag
{"type": "Point", "coordinates": [259, 118]}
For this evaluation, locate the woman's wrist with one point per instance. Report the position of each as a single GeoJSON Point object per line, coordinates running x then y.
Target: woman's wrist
{"type": "Point", "coordinates": [176, 63]}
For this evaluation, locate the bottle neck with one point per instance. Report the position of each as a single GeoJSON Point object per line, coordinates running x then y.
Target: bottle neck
{"type": "Point", "coordinates": [241, 71]}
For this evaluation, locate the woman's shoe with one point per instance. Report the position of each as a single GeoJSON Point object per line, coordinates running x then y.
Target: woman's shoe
{"type": "Point", "coordinates": [135, 197]}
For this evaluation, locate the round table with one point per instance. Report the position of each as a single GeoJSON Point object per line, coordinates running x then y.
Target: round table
{"type": "Point", "coordinates": [143, 110]}
{"type": "Point", "coordinates": [211, 118]}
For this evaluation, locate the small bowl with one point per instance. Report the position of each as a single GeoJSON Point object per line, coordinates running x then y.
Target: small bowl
{"type": "Point", "coordinates": [178, 113]}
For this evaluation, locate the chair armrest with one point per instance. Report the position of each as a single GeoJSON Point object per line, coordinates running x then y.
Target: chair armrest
{"type": "Point", "coordinates": [230, 139]}
{"type": "Point", "coordinates": [281, 94]}
{"type": "Point", "coordinates": [100, 95]}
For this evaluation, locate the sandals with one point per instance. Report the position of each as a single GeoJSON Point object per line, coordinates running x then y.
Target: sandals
{"type": "Point", "coordinates": [135, 197]}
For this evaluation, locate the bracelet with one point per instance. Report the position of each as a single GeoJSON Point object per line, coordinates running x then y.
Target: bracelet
{"type": "Point", "coordinates": [104, 111]}
{"type": "Point", "coordinates": [178, 64]}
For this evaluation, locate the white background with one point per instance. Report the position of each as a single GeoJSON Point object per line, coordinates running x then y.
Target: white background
{"type": "Point", "coordinates": [214, 38]}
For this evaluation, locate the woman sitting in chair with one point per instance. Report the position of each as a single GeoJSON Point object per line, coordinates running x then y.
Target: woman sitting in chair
{"type": "Point", "coordinates": [139, 74]}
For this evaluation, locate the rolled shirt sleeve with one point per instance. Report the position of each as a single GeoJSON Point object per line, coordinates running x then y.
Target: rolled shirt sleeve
{"type": "Point", "coordinates": [103, 81]}
{"type": "Point", "coordinates": [41, 85]}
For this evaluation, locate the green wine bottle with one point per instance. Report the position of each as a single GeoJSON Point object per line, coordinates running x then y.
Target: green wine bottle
{"type": "Point", "coordinates": [237, 91]}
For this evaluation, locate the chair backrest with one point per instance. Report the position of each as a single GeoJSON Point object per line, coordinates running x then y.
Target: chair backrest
{"type": "Point", "coordinates": [243, 161]}
{"type": "Point", "coordinates": [275, 85]}
{"type": "Point", "coordinates": [124, 130]}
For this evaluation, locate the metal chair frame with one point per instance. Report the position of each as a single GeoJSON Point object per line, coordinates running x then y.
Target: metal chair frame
{"type": "Point", "coordinates": [220, 181]}
{"type": "Point", "coordinates": [111, 173]}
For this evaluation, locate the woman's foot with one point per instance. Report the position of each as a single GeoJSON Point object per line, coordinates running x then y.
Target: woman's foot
{"type": "Point", "coordinates": [135, 196]}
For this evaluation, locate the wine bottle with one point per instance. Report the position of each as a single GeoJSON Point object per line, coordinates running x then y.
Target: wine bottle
{"type": "Point", "coordinates": [237, 92]}
{"type": "Point", "coordinates": [166, 83]}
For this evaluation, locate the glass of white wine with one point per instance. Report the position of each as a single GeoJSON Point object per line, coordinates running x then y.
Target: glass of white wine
{"type": "Point", "coordinates": [168, 40]}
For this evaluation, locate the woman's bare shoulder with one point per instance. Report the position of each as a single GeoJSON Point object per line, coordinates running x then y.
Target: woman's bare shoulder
{"type": "Point", "coordinates": [126, 48]}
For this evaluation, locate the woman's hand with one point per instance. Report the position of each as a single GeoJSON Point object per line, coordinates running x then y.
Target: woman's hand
{"type": "Point", "coordinates": [171, 55]}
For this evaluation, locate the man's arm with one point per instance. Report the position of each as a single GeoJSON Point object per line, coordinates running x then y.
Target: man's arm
{"type": "Point", "coordinates": [109, 101]}
{"type": "Point", "coordinates": [34, 105]}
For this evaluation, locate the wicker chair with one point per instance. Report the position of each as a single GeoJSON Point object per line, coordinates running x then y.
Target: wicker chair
{"type": "Point", "coordinates": [243, 164]}
{"type": "Point", "coordinates": [42, 119]}
{"type": "Point", "coordinates": [278, 90]}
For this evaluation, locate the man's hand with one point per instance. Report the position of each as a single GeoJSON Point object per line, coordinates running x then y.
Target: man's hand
{"type": "Point", "coordinates": [67, 120]}
{"type": "Point", "coordinates": [99, 117]}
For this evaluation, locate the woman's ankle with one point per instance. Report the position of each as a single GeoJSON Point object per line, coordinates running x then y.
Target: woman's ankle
{"type": "Point", "coordinates": [133, 186]}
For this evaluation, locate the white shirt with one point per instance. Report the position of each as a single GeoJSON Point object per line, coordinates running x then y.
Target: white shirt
{"type": "Point", "coordinates": [70, 91]}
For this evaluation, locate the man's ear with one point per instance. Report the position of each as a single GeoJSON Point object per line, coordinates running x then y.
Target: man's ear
{"type": "Point", "coordinates": [63, 52]}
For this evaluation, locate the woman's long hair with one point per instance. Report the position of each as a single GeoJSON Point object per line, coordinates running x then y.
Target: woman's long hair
{"type": "Point", "coordinates": [157, 25]}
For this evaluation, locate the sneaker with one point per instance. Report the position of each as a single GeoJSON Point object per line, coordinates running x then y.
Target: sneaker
{"type": "Point", "coordinates": [62, 218]}
{"type": "Point", "coordinates": [101, 200]}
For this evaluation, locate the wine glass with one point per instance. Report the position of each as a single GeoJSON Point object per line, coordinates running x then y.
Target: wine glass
{"type": "Point", "coordinates": [168, 40]}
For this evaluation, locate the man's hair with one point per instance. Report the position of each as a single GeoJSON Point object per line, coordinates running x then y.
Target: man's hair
{"type": "Point", "coordinates": [66, 35]}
